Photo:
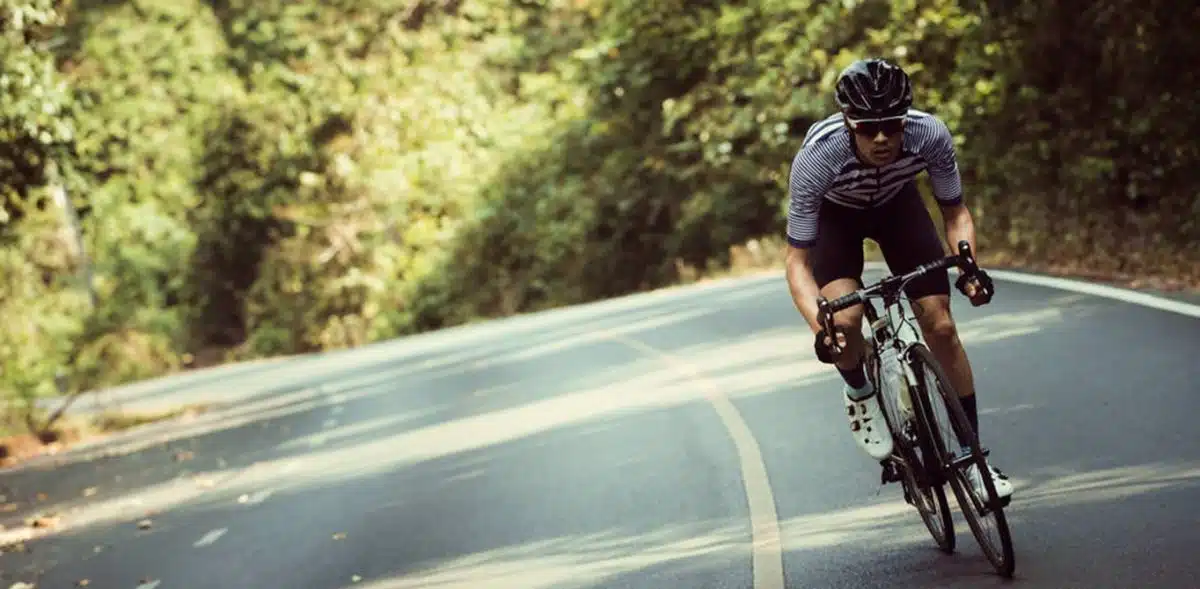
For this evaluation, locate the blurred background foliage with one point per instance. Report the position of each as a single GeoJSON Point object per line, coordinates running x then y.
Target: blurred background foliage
{"type": "Point", "coordinates": [265, 177]}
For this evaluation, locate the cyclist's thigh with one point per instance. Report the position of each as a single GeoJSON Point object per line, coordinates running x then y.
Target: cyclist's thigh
{"type": "Point", "coordinates": [908, 238]}
{"type": "Point", "coordinates": [837, 257]}
{"type": "Point", "coordinates": [838, 253]}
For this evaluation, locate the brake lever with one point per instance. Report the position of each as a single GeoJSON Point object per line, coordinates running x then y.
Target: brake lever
{"type": "Point", "coordinates": [970, 270]}
{"type": "Point", "coordinates": [825, 318]}
{"type": "Point", "coordinates": [966, 261]}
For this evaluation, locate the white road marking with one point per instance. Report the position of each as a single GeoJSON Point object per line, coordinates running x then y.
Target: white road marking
{"type": "Point", "coordinates": [210, 537]}
{"type": "Point", "coordinates": [329, 423]}
{"type": "Point", "coordinates": [766, 548]}
{"type": "Point", "coordinates": [149, 584]}
{"type": "Point", "coordinates": [1100, 290]}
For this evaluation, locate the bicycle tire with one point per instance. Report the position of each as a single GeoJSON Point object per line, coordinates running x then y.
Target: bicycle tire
{"type": "Point", "coordinates": [1001, 558]}
{"type": "Point", "coordinates": [939, 523]}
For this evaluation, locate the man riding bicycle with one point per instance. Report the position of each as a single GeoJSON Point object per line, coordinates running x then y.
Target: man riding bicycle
{"type": "Point", "coordinates": [853, 178]}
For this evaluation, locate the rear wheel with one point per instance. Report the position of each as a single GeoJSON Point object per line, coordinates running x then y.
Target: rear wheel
{"type": "Point", "coordinates": [951, 431]}
{"type": "Point", "coordinates": [922, 492]}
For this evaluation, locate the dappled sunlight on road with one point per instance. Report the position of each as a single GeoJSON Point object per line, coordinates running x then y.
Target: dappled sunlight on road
{"type": "Point", "coordinates": [640, 390]}
{"type": "Point", "coordinates": [653, 390]}
{"type": "Point", "coordinates": [994, 328]}
{"type": "Point", "coordinates": [594, 336]}
{"type": "Point", "coordinates": [884, 524]}
{"type": "Point", "coordinates": [586, 561]}
{"type": "Point", "coordinates": [634, 389]}
{"type": "Point", "coordinates": [590, 560]}
{"type": "Point", "coordinates": [581, 561]}
{"type": "Point", "coordinates": [755, 292]}
{"type": "Point", "coordinates": [1112, 484]}
{"type": "Point", "coordinates": [360, 428]}
{"type": "Point", "coordinates": [132, 506]}
{"type": "Point", "coordinates": [452, 347]}
{"type": "Point", "coordinates": [1055, 312]}
{"type": "Point", "coordinates": [1007, 410]}
{"type": "Point", "coordinates": [524, 350]}
{"type": "Point", "coordinates": [763, 363]}
{"type": "Point", "coordinates": [405, 372]}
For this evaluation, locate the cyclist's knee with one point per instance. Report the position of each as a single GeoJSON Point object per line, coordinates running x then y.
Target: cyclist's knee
{"type": "Point", "coordinates": [943, 330]}
{"type": "Point", "coordinates": [849, 318]}
{"type": "Point", "coordinates": [936, 321]}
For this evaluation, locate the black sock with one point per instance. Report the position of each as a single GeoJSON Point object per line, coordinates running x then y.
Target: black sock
{"type": "Point", "coordinates": [968, 405]}
{"type": "Point", "coordinates": [855, 377]}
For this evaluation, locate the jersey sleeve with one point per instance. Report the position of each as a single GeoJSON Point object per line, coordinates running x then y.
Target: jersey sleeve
{"type": "Point", "coordinates": [943, 165]}
{"type": "Point", "coordinates": [811, 176]}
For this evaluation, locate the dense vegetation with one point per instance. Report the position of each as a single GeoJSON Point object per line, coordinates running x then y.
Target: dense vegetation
{"type": "Point", "coordinates": [267, 176]}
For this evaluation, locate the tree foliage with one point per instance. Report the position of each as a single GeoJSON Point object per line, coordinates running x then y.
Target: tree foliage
{"type": "Point", "coordinates": [269, 177]}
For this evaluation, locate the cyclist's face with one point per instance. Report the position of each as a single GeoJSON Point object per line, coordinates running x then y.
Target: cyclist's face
{"type": "Point", "coordinates": [878, 143]}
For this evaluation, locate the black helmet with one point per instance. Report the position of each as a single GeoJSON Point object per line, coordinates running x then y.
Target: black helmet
{"type": "Point", "coordinates": [873, 88]}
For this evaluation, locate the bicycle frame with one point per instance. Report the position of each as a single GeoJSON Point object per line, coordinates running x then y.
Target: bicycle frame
{"type": "Point", "coordinates": [926, 471]}
{"type": "Point", "coordinates": [884, 331]}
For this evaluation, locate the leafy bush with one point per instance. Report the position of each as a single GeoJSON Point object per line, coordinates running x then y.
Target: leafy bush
{"type": "Point", "coordinates": [279, 177]}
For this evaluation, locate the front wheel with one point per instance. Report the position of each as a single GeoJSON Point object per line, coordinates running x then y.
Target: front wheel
{"type": "Point", "coordinates": [950, 431]}
{"type": "Point", "coordinates": [919, 491]}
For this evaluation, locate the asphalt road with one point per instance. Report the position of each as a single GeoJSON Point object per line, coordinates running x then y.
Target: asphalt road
{"type": "Point", "coordinates": [684, 439]}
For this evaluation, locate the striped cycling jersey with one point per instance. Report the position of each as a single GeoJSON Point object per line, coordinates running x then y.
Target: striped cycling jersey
{"type": "Point", "coordinates": [826, 167]}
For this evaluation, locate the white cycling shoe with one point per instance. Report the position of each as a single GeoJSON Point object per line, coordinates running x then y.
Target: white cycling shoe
{"type": "Point", "coordinates": [1004, 488]}
{"type": "Point", "coordinates": [868, 426]}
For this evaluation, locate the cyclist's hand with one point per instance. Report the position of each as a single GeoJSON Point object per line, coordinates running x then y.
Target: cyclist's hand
{"type": "Point", "coordinates": [823, 345]}
{"type": "Point", "coordinates": [978, 287]}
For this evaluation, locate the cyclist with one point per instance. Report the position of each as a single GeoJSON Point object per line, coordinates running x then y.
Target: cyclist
{"type": "Point", "coordinates": [853, 178]}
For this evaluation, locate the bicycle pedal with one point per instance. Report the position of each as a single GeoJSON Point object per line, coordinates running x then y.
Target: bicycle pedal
{"type": "Point", "coordinates": [889, 473]}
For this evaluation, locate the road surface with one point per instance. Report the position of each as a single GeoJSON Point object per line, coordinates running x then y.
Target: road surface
{"type": "Point", "coordinates": [681, 439]}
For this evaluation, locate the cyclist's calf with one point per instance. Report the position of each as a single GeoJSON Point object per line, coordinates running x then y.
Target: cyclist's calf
{"type": "Point", "coordinates": [937, 325]}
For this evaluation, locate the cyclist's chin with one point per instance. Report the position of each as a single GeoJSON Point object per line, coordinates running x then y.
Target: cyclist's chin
{"type": "Point", "coordinates": [881, 158]}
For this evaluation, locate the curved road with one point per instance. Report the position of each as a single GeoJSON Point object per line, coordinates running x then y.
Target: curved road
{"type": "Point", "coordinates": [678, 439]}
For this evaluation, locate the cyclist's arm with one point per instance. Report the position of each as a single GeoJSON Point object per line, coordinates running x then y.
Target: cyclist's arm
{"type": "Point", "coordinates": [802, 285]}
{"type": "Point", "coordinates": [947, 187]}
{"type": "Point", "coordinates": [811, 176]}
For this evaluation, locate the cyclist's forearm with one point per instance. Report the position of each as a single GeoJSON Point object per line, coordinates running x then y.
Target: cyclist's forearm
{"type": "Point", "coordinates": [959, 226]}
{"type": "Point", "coordinates": [803, 286]}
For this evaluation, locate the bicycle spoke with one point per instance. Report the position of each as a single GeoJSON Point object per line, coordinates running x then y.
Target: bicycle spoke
{"type": "Point", "coordinates": [951, 432]}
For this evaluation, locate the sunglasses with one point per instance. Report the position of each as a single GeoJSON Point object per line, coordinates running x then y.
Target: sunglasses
{"type": "Point", "coordinates": [872, 127]}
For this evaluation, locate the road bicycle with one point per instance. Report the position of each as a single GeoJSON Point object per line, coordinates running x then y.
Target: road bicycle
{"type": "Point", "coordinates": [922, 461]}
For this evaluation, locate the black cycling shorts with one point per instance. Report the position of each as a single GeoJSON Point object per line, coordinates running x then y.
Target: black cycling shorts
{"type": "Point", "coordinates": [903, 229]}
